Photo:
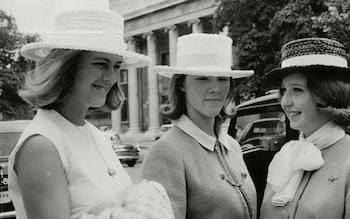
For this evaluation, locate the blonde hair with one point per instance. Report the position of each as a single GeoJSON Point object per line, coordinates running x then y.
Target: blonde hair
{"type": "Point", "coordinates": [51, 82]}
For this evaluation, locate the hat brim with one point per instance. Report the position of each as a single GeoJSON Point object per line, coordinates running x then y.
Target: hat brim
{"type": "Point", "coordinates": [169, 71]}
{"type": "Point", "coordinates": [275, 76]}
{"type": "Point", "coordinates": [38, 50]}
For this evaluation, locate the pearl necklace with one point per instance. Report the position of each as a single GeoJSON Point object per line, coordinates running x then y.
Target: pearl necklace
{"type": "Point", "coordinates": [85, 130]}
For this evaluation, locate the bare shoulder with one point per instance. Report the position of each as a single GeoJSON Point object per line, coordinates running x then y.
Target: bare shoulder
{"type": "Point", "coordinates": [42, 179]}
{"type": "Point", "coordinates": [37, 154]}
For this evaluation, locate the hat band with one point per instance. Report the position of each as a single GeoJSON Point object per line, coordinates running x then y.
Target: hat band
{"type": "Point", "coordinates": [204, 60]}
{"type": "Point", "coordinates": [318, 59]}
{"type": "Point", "coordinates": [93, 40]}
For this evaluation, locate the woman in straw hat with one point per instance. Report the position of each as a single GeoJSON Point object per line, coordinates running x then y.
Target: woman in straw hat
{"type": "Point", "coordinates": [62, 166]}
{"type": "Point", "coordinates": [201, 166]}
{"type": "Point", "coordinates": [310, 178]}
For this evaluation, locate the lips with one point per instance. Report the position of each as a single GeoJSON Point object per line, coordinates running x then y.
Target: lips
{"type": "Point", "coordinates": [293, 114]}
{"type": "Point", "coordinates": [100, 87]}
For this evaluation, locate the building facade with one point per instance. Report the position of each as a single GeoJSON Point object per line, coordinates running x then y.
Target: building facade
{"type": "Point", "coordinates": [152, 27]}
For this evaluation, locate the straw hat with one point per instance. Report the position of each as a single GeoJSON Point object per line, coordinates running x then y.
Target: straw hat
{"type": "Point", "coordinates": [96, 29]}
{"type": "Point", "coordinates": [310, 54]}
{"type": "Point", "coordinates": [203, 54]}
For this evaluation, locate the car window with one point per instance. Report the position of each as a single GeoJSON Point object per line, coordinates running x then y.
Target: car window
{"type": "Point", "coordinates": [8, 141]}
{"type": "Point", "coordinates": [250, 125]}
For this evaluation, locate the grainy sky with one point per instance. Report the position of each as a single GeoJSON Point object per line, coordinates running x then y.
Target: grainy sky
{"type": "Point", "coordinates": [32, 16]}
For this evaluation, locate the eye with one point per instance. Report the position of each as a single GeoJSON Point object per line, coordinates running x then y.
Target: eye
{"type": "Point", "coordinates": [297, 90]}
{"type": "Point", "coordinates": [101, 65]}
{"type": "Point", "coordinates": [202, 78]}
{"type": "Point", "coordinates": [117, 66]}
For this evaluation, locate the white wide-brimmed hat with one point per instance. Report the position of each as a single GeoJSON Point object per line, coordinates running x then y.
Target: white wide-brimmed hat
{"type": "Point", "coordinates": [96, 29]}
{"type": "Point", "coordinates": [308, 55]}
{"type": "Point", "coordinates": [203, 54]}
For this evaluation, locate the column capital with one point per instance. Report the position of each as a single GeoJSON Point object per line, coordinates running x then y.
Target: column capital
{"type": "Point", "coordinates": [148, 34]}
{"type": "Point", "coordinates": [170, 28]}
{"type": "Point", "coordinates": [194, 21]}
{"type": "Point", "coordinates": [130, 39]}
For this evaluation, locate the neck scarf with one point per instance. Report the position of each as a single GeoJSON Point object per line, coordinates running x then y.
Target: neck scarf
{"type": "Point", "coordinates": [287, 168]}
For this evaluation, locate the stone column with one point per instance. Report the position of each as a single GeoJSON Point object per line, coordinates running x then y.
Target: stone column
{"type": "Point", "coordinates": [153, 94]}
{"type": "Point", "coordinates": [197, 26]}
{"type": "Point", "coordinates": [116, 119]}
{"type": "Point", "coordinates": [133, 99]}
{"type": "Point", "coordinates": [173, 33]}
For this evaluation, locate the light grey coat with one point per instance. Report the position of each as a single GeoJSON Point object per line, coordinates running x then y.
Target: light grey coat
{"type": "Point", "coordinates": [322, 194]}
{"type": "Point", "coordinates": [190, 175]}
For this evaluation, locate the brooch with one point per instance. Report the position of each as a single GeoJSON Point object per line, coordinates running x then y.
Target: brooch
{"type": "Point", "coordinates": [332, 179]}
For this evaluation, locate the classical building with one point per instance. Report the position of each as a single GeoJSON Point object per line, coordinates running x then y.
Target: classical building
{"type": "Point", "coordinates": [152, 28]}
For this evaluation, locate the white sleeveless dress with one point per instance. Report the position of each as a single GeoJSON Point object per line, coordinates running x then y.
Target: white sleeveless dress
{"type": "Point", "coordinates": [91, 188]}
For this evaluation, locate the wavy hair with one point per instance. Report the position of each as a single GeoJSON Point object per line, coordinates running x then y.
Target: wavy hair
{"type": "Point", "coordinates": [334, 93]}
{"type": "Point", "coordinates": [51, 82]}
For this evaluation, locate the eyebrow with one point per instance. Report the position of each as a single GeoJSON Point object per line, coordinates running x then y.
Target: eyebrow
{"type": "Point", "coordinates": [106, 60]}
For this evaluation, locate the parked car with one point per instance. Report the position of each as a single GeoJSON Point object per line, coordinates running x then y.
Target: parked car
{"type": "Point", "coordinates": [10, 131]}
{"type": "Point", "coordinates": [127, 153]}
{"type": "Point", "coordinates": [261, 128]}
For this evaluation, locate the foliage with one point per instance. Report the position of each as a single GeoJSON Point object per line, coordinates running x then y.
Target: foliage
{"type": "Point", "coordinates": [335, 22]}
{"type": "Point", "coordinates": [259, 28]}
{"type": "Point", "coordinates": [12, 68]}
{"type": "Point", "coordinates": [248, 26]}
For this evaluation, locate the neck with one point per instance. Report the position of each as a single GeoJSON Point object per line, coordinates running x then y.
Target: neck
{"type": "Point", "coordinates": [75, 114]}
{"type": "Point", "coordinates": [206, 124]}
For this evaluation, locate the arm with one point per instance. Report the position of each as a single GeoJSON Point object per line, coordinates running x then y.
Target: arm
{"type": "Point", "coordinates": [42, 180]}
{"type": "Point", "coordinates": [164, 164]}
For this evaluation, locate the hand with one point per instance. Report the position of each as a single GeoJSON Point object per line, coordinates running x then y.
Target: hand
{"type": "Point", "coordinates": [148, 200]}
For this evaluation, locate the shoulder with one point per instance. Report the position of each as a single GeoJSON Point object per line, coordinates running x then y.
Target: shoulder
{"type": "Point", "coordinates": [36, 153]}
{"type": "Point", "coordinates": [232, 143]}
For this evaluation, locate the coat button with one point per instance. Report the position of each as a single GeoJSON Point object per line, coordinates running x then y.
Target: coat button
{"type": "Point", "coordinates": [283, 215]}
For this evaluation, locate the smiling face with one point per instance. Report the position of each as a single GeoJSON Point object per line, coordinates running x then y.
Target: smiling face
{"type": "Point", "coordinates": [97, 73]}
{"type": "Point", "coordinates": [300, 105]}
{"type": "Point", "coordinates": [205, 96]}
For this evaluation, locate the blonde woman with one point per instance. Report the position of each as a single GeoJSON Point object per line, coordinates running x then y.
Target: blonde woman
{"type": "Point", "coordinates": [62, 166]}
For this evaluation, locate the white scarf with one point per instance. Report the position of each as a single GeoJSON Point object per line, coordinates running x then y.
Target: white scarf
{"type": "Point", "coordinates": [286, 170]}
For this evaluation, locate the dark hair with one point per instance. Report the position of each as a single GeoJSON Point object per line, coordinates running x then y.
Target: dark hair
{"type": "Point", "coordinates": [51, 82]}
{"type": "Point", "coordinates": [176, 105]}
{"type": "Point", "coordinates": [334, 93]}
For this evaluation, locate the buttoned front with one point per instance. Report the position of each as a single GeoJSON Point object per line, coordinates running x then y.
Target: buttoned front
{"type": "Point", "coordinates": [195, 180]}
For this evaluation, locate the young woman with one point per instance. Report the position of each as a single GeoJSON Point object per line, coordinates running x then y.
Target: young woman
{"type": "Point", "coordinates": [310, 178]}
{"type": "Point", "coordinates": [201, 166]}
{"type": "Point", "coordinates": [62, 166]}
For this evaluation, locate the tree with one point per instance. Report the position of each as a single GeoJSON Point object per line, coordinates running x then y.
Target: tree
{"type": "Point", "coordinates": [12, 69]}
{"type": "Point", "coordinates": [335, 22]}
{"type": "Point", "coordinates": [259, 28]}
{"type": "Point", "coordinates": [248, 26]}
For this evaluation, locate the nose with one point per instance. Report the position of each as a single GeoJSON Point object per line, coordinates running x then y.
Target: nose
{"type": "Point", "coordinates": [286, 101]}
{"type": "Point", "coordinates": [214, 85]}
{"type": "Point", "coordinates": [111, 76]}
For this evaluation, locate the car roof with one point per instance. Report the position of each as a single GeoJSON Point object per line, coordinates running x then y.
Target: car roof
{"type": "Point", "coordinates": [13, 125]}
{"type": "Point", "coordinates": [271, 97]}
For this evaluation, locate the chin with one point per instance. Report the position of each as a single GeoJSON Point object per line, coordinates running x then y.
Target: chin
{"type": "Point", "coordinates": [97, 104]}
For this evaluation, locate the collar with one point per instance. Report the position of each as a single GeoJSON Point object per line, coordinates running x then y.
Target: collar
{"type": "Point", "coordinates": [205, 140]}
